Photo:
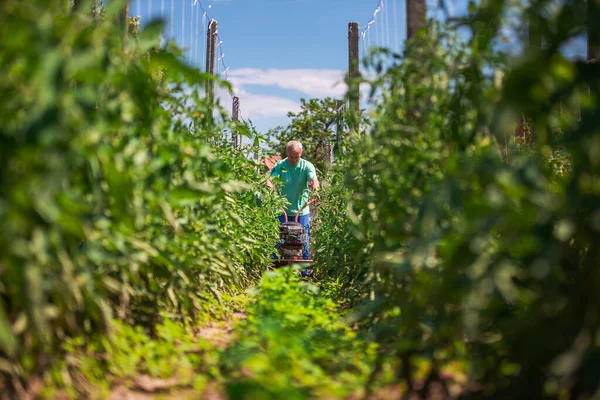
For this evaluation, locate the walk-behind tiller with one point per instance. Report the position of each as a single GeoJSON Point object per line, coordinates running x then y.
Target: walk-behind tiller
{"type": "Point", "coordinates": [293, 239]}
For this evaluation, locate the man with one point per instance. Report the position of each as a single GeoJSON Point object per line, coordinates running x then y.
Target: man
{"type": "Point", "coordinates": [299, 178]}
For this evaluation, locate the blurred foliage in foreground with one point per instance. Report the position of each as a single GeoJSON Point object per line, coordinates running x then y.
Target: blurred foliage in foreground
{"type": "Point", "coordinates": [118, 197]}
{"type": "Point", "coordinates": [294, 345]}
{"type": "Point", "coordinates": [462, 246]}
{"type": "Point", "coordinates": [462, 243]}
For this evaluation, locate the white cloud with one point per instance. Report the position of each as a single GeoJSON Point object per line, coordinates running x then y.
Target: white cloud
{"type": "Point", "coordinates": [312, 82]}
{"type": "Point", "coordinates": [255, 106]}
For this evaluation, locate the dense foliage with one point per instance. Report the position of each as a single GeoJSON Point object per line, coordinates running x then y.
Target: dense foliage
{"type": "Point", "coordinates": [117, 196]}
{"type": "Point", "coordinates": [282, 349]}
{"type": "Point", "coordinates": [294, 345]}
{"type": "Point", "coordinates": [482, 251]}
{"type": "Point", "coordinates": [319, 126]}
{"type": "Point", "coordinates": [126, 216]}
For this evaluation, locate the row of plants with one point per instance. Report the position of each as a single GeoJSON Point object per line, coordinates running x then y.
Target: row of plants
{"type": "Point", "coordinates": [460, 244]}
{"type": "Point", "coordinates": [295, 344]}
{"type": "Point", "coordinates": [291, 343]}
{"type": "Point", "coordinates": [173, 359]}
{"type": "Point", "coordinates": [120, 198]}
{"type": "Point", "coordinates": [125, 214]}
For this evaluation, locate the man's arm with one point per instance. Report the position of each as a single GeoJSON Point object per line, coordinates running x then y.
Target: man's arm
{"type": "Point", "coordinates": [313, 186]}
{"type": "Point", "coordinates": [313, 182]}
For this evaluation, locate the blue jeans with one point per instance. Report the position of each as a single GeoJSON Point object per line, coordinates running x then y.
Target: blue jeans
{"type": "Point", "coordinates": [305, 221]}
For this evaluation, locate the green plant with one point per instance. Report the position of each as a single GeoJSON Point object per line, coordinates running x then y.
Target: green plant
{"type": "Point", "coordinates": [117, 197]}
{"type": "Point", "coordinates": [481, 254]}
{"type": "Point", "coordinates": [319, 124]}
{"type": "Point", "coordinates": [294, 345]}
{"type": "Point", "coordinates": [340, 255]}
{"type": "Point", "coordinates": [91, 367]}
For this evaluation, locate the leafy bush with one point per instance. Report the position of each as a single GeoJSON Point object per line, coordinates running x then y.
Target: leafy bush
{"type": "Point", "coordinates": [294, 345]}
{"type": "Point", "coordinates": [319, 125]}
{"type": "Point", "coordinates": [118, 196]}
{"type": "Point", "coordinates": [340, 255]}
{"type": "Point", "coordinates": [174, 355]}
{"type": "Point", "coordinates": [483, 255]}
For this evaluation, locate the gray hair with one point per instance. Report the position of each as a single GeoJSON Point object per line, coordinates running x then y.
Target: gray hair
{"type": "Point", "coordinates": [292, 145]}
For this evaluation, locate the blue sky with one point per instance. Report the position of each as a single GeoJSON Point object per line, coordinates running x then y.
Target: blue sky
{"type": "Point", "coordinates": [279, 51]}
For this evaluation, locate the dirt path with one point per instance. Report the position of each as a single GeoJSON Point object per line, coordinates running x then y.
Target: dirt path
{"type": "Point", "coordinates": [144, 387]}
{"type": "Point", "coordinates": [220, 333]}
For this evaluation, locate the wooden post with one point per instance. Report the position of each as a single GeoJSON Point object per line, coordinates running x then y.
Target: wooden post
{"type": "Point", "coordinates": [329, 153]}
{"type": "Point", "coordinates": [96, 8]}
{"type": "Point", "coordinates": [593, 31]}
{"type": "Point", "coordinates": [354, 75]}
{"type": "Point", "coordinates": [415, 17]}
{"type": "Point", "coordinates": [95, 5]}
{"type": "Point", "coordinates": [235, 115]}
{"type": "Point", "coordinates": [125, 20]}
{"type": "Point", "coordinates": [525, 132]}
{"type": "Point", "coordinates": [211, 57]}
{"type": "Point", "coordinates": [338, 131]}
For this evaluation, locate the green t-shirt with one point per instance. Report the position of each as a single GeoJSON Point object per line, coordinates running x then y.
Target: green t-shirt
{"type": "Point", "coordinates": [295, 183]}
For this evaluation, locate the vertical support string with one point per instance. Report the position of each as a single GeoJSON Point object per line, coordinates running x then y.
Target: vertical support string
{"type": "Point", "coordinates": [403, 23]}
{"type": "Point", "coordinates": [192, 48]}
{"type": "Point", "coordinates": [204, 38]}
{"type": "Point", "coordinates": [383, 23]}
{"type": "Point", "coordinates": [218, 71]}
{"type": "Point", "coordinates": [395, 12]}
{"type": "Point", "coordinates": [363, 45]}
{"type": "Point", "coordinates": [196, 45]}
{"type": "Point", "coordinates": [377, 30]}
{"type": "Point", "coordinates": [162, 17]}
{"type": "Point", "coordinates": [182, 25]}
{"type": "Point", "coordinates": [382, 10]}
{"type": "Point", "coordinates": [171, 16]}
{"type": "Point", "coordinates": [192, 41]}
{"type": "Point", "coordinates": [382, 28]}
{"type": "Point", "coordinates": [387, 26]}
{"type": "Point", "coordinates": [361, 42]}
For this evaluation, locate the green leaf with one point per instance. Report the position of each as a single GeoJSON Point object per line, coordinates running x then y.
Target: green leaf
{"type": "Point", "coordinates": [190, 195]}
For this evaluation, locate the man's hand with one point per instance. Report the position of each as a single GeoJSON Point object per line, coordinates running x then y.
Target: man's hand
{"type": "Point", "coordinates": [314, 186]}
{"type": "Point", "coordinates": [315, 199]}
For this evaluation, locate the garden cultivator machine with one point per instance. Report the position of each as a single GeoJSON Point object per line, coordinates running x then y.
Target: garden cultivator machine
{"type": "Point", "coordinates": [293, 238]}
